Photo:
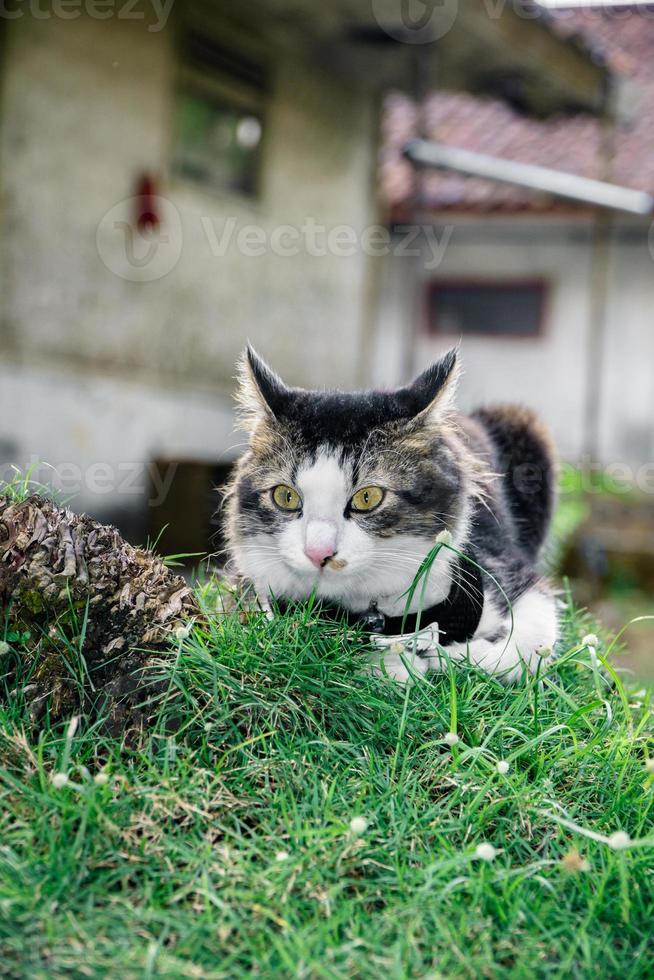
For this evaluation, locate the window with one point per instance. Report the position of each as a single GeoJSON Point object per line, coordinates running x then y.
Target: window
{"type": "Point", "coordinates": [219, 120]}
{"type": "Point", "coordinates": [498, 309]}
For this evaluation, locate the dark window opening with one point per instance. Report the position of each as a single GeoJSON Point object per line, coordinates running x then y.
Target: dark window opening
{"type": "Point", "coordinates": [185, 510]}
{"type": "Point", "coordinates": [219, 116]}
{"type": "Point", "coordinates": [493, 309]}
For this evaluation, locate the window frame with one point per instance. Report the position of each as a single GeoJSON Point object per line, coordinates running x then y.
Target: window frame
{"type": "Point", "coordinates": [222, 90]}
{"type": "Point", "coordinates": [539, 284]}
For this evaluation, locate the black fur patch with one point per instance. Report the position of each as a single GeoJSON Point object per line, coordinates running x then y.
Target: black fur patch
{"type": "Point", "coordinates": [524, 458]}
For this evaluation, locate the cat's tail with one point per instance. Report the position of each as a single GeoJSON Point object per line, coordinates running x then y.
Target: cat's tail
{"type": "Point", "coordinates": [526, 459]}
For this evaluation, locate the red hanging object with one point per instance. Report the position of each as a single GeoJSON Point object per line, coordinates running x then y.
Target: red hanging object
{"type": "Point", "coordinates": [147, 218]}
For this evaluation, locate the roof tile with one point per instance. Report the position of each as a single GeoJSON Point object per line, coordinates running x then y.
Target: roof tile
{"type": "Point", "coordinates": [625, 36]}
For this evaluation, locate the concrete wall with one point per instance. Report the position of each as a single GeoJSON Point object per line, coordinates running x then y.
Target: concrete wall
{"type": "Point", "coordinates": [627, 385]}
{"type": "Point", "coordinates": [96, 366]}
{"type": "Point", "coordinates": [549, 372]}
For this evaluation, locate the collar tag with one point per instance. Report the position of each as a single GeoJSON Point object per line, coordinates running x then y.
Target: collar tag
{"type": "Point", "coordinates": [426, 639]}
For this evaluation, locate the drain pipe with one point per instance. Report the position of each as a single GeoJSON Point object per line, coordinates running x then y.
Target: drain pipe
{"type": "Point", "coordinates": [570, 187]}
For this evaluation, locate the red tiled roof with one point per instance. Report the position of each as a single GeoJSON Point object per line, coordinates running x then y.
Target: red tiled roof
{"type": "Point", "coordinates": [624, 35]}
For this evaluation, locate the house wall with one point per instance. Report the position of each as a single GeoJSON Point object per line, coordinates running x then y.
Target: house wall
{"type": "Point", "coordinates": [548, 372]}
{"type": "Point", "coordinates": [627, 389]}
{"type": "Point", "coordinates": [98, 367]}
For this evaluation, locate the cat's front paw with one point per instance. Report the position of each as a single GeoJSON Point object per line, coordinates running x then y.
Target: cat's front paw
{"type": "Point", "coordinates": [399, 664]}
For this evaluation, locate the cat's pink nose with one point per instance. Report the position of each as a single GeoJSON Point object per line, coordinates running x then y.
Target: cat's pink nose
{"type": "Point", "coordinates": [320, 540]}
{"type": "Point", "coordinates": [319, 554]}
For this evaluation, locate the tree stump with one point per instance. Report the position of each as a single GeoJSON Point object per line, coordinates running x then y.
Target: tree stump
{"type": "Point", "coordinates": [95, 614]}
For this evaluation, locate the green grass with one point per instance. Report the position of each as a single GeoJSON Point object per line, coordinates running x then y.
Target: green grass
{"type": "Point", "coordinates": [226, 850]}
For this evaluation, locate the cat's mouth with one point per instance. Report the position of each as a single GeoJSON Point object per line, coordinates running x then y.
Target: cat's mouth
{"type": "Point", "coordinates": [333, 564]}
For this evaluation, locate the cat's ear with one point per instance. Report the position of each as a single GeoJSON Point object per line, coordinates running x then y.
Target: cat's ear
{"type": "Point", "coordinates": [432, 393]}
{"type": "Point", "coordinates": [261, 392]}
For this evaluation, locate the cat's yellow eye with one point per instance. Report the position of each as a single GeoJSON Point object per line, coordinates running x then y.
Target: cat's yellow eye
{"type": "Point", "coordinates": [286, 497]}
{"type": "Point", "coordinates": [367, 498]}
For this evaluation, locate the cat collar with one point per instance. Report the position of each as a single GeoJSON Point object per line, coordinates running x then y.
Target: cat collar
{"type": "Point", "coordinates": [456, 618]}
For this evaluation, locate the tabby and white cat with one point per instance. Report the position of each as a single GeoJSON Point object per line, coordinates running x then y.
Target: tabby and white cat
{"type": "Point", "coordinates": [342, 496]}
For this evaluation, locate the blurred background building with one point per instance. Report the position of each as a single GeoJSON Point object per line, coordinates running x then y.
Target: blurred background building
{"type": "Point", "coordinates": [180, 176]}
{"type": "Point", "coordinates": [553, 300]}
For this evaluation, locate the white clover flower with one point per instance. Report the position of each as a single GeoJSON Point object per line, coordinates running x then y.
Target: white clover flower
{"type": "Point", "coordinates": [619, 840]}
{"type": "Point", "coordinates": [358, 825]}
{"type": "Point", "coordinates": [503, 767]}
{"type": "Point", "coordinates": [450, 738]}
{"type": "Point", "coordinates": [4, 648]}
{"type": "Point", "coordinates": [485, 852]}
{"type": "Point", "coordinates": [444, 537]}
{"type": "Point", "coordinates": [543, 652]}
{"type": "Point", "coordinates": [101, 779]}
{"type": "Point", "coordinates": [649, 765]}
{"type": "Point", "coordinates": [282, 856]}
{"type": "Point", "coordinates": [59, 779]}
{"type": "Point", "coordinates": [590, 640]}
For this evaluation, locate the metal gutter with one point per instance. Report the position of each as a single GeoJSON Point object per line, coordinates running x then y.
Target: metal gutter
{"type": "Point", "coordinates": [570, 187]}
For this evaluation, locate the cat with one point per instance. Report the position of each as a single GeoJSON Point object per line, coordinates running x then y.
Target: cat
{"type": "Point", "coordinates": [341, 496]}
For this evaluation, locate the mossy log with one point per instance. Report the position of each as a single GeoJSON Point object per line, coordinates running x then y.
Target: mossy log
{"type": "Point", "coordinates": [94, 614]}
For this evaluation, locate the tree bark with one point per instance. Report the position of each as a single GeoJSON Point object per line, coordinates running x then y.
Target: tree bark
{"type": "Point", "coordinates": [88, 615]}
